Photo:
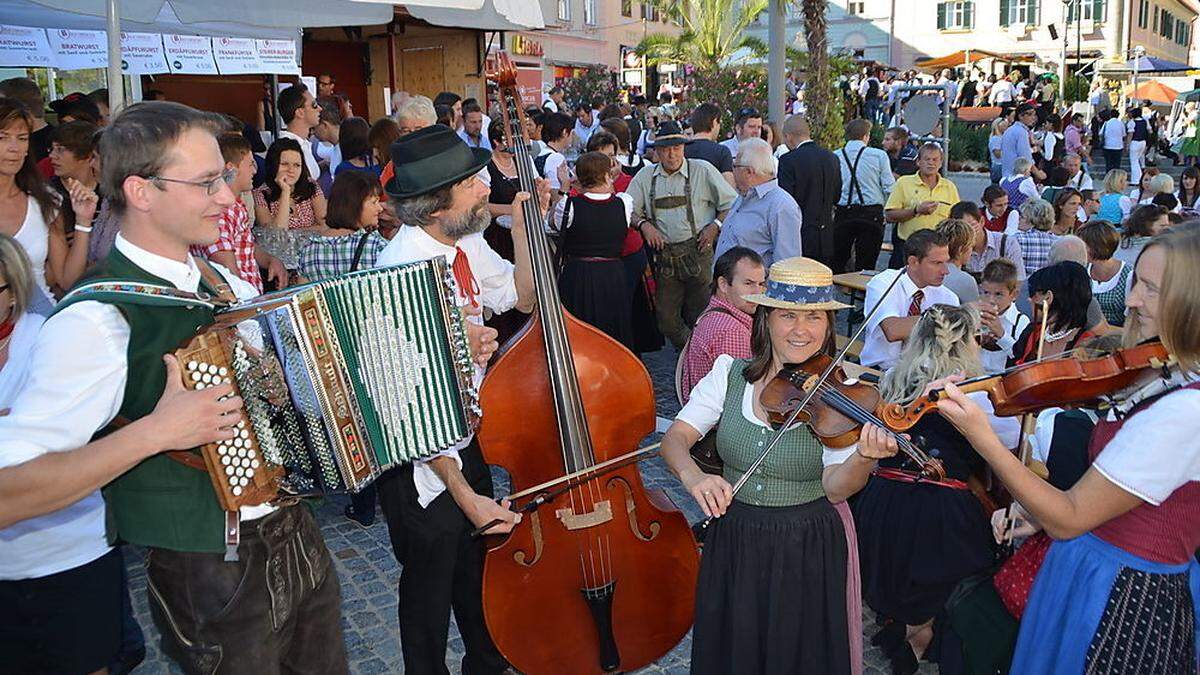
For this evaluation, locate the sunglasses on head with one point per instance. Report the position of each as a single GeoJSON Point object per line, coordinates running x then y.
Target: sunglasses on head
{"type": "Point", "coordinates": [748, 112]}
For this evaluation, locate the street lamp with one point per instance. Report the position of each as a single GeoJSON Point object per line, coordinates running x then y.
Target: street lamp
{"type": "Point", "coordinates": [1138, 52]}
{"type": "Point", "coordinates": [1062, 62]}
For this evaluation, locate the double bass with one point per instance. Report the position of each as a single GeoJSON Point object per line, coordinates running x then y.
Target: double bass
{"type": "Point", "coordinates": [602, 577]}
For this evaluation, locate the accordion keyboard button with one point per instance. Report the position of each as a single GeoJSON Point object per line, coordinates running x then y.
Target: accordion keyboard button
{"type": "Point", "coordinates": [237, 491]}
{"type": "Point", "coordinates": [243, 433]}
{"type": "Point", "coordinates": [192, 365]}
{"type": "Point", "coordinates": [225, 459]}
{"type": "Point", "coordinates": [201, 385]}
{"type": "Point", "coordinates": [254, 464]}
{"type": "Point", "coordinates": [249, 473]}
{"type": "Point", "coordinates": [229, 470]}
{"type": "Point", "coordinates": [222, 371]}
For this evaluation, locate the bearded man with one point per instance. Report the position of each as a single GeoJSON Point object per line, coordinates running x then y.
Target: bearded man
{"type": "Point", "coordinates": [432, 505]}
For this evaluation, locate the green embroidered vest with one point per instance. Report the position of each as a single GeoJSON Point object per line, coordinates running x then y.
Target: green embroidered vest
{"type": "Point", "coordinates": [790, 475]}
{"type": "Point", "coordinates": [160, 502]}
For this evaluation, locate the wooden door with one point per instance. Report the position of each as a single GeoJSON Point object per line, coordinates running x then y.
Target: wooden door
{"type": "Point", "coordinates": [423, 70]}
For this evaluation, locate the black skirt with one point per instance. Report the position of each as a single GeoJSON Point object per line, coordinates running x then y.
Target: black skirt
{"type": "Point", "coordinates": [916, 542]}
{"type": "Point", "coordinates": [646, 336]}
{"type": "Point", "coordinates": [595, 291]}
{"type": "Point", "coordinates": [771, 596]}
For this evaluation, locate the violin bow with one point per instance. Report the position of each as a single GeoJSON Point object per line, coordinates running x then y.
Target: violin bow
{"type": "Point", "coordinates": [795, 414]}
{"type": "Point", "coordinates": [1024, 449]}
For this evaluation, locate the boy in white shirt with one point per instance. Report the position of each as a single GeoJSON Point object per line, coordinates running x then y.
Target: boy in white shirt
{"type": "Point", "coordinates": [1002, 323]}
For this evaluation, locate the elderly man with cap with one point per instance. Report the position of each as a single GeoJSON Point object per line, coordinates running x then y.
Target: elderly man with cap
{"type": "Point", "coordinates": [432, 506]}
{"type": "Point", "coordinates": [678, 205]}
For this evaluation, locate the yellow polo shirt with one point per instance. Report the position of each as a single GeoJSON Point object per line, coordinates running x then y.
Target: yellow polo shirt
{"type": "Point", "coordinates": [911, 190]}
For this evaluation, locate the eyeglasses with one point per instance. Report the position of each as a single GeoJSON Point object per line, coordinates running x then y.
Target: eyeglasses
{"type": "Point", "coordinates": [211, 186]}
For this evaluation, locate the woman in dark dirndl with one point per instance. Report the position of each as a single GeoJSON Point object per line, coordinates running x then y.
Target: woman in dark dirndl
{"type": "Point", "coordinates": [918, 538]}
{"type": "Point", "coordinates": [592, 227]}
{"type": "Point", "coordinates": [1119, 589]}
{"type": "Point", "coordinates": [778, 588]}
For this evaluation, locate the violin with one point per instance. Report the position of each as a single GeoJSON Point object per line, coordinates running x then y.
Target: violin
{"type": "Point", "coordinates": [838, 411]}
{"type": "Point", "coordinates": [1064, 382]}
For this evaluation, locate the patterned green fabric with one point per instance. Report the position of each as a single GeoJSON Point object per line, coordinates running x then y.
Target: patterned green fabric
{"type": "Point", "coordinates": [790, 475]}
{"type": "Point", "coordinates": [1112, 301]}
{"type": "Point", "coordinates": [160, 502]}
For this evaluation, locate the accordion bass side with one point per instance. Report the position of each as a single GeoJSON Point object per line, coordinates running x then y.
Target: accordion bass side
{"type": "Point", "coordinates": [355, 375]}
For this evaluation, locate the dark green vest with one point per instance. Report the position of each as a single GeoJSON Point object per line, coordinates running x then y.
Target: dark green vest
{"type": "Point", "coordinates": [160, 502]}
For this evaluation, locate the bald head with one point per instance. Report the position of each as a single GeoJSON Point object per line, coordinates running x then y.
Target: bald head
{"type": "Point", "coordinates": [1068, 247]}
{"type": "Point", "coordinates": [796, 130]}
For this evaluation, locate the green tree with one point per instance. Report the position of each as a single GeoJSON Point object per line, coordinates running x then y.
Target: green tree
{"type": "Point", "coordinates": [713, 32]}
{"type": "Point", "coordinates": [596, 83]}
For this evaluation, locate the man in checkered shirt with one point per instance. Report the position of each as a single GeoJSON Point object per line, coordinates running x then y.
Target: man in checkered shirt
{"type": "Point", "coordinates": [724, 326]}
{"type": "Point", "coordinates": [234, 248]}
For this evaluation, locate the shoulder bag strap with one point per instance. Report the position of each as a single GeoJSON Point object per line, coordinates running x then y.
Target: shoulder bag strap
{"type": "Point", "coordinates": [358, 250]}
{"type": "Point", "coordinates": [210, 276]}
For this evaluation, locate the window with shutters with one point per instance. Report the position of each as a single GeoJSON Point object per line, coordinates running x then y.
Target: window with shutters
{"type": "Point", "coordinates": [1018, 12]}
{"type": "Point", "coordinates": [589, 12]}
{"type": "Point", "coordinates": [856, 8]}
{"type": "Point", "coordinates": [956, 15]}
{"type": "Point", "coordinates": [627, 8]}
{"type": "Point", "coordinates": [1143, 19]}
{"type": "Point", "coordinates": [1156, 18]}
{"type": "Point", "coordinates": [1167, 25]}
{"type": "Point", "coordinates": [564, 10]}
{"type": "Point", "coordinates": [1091, 10]}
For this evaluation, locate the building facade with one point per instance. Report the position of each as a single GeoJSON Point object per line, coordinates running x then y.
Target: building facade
{"type": "Point", "coordinates": [899, 32]}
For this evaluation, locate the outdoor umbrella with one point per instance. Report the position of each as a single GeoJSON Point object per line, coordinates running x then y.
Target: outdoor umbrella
{"type": "Point", "coordinates": [1152, 90]}
{"type": "Point", "coordinates": [1152, 64]}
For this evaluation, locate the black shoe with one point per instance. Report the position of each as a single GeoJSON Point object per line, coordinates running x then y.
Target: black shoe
{"type": "Point", "coordinates": [904, 661]}
{"type": "Point", "coordinates": [365, 520]}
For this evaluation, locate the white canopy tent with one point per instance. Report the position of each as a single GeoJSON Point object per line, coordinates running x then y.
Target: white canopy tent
{"type": "Point", "coordinates": [262, 19]}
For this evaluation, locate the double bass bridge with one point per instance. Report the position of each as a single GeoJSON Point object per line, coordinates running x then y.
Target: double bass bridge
{"type": "Point", "coordinates": [601, 513]}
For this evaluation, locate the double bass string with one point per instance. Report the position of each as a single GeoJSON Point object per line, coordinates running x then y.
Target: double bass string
{"type": "Point", "coordinates": [574, 438]}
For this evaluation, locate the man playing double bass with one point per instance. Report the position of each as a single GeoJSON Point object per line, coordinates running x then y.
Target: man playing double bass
{"type": "Point", "coordinates": [432, 506]}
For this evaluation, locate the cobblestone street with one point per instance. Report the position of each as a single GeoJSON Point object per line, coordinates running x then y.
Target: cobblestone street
{"type": "Point", "coordinates": [368, 573]}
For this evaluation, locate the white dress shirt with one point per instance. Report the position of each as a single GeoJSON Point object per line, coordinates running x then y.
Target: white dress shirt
{"type": "Point", "coordinates": [314, 169]}
{"type": "Point", "coordinates": [877, 351]}
{"type": "Point", "coordinates": [497, 292]}
{"type": "Point", "coordinates": [76, 385]}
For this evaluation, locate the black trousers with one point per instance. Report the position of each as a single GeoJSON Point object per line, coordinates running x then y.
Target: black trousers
{"type": "Point", "coordinates": [442, 569]}
{"type": "Point", "coordinates": [1112, 159]}
{"type": "Point", "coordinates": [277, 609]}
{"type": "Point", "coordinates": [858, 229]}
{"type": "Point", "coordinates": [897, 259]}
{"type": "Point", "coordinates": [67, 623]}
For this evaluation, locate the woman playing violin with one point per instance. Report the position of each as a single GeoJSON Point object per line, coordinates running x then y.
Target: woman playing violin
{"type": "Point", "coordinates": [919, 538]}
{"type": "Point", "coordinates": [777, 591]}
{"type": "Point", "coordinates": [1118, 590]}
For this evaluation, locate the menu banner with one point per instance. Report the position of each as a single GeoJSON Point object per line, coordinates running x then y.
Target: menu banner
{"type": "Point", "coordinates": [189, 55]}
{"type": "Point", "coordinates": [142, 54]}
{"type": "Point", "coordinates": [277, 57]}
{"type": "Point", "coordinates": [22, 47]}
{"type": "Point", "coordinates": [237, 56]}
{"type": "Point", "coordinates": [79, 49]}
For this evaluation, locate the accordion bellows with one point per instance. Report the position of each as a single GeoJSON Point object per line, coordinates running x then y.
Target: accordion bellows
{"type": "Point", "coordinates": [357, 374]}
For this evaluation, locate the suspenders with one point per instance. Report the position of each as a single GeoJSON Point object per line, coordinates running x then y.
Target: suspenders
{"type": "Point", "coordinates": [854, 184]}
{"type": "Point", "coordinates": [687, 196]}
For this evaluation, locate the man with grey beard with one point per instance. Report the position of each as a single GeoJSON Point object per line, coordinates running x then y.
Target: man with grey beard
{"type": "Point", "coordinates": [432, 506]}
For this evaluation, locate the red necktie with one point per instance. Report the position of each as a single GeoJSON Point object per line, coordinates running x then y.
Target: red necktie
{"type": "Point", "coordinates": [914, 307]}
{"type": "Point", "coordinates": [465, 278]}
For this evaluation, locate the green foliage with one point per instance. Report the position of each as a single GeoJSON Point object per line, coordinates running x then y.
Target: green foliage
{"type": "Point", "coordinates": [829, 132]}
{"type": "Point", "coordinates": [1077, 88]}
{"type": "Point", "coordinates": [731, 89]}
{"type": "Point", "coordinates": [597, 82]}
{"type": "Point", "coordinates": [968, 142]}
{"type": "Point", "coordinates": [713, 31]}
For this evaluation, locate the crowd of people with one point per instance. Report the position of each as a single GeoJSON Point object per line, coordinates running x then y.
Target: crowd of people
{"type": "Point", "coordinates": [666, 228]}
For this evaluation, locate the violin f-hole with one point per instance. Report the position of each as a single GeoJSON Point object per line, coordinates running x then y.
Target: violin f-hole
{"type": "Point", "coordinates": [535, 529]}
{"type": "Point", "coordinates": [631, 511]}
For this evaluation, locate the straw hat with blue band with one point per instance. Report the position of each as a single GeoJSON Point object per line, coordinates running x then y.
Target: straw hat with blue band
{"type": "Point", "coordinates": [431, 158]}
{"type": "Point", "coordinates": [801, 284]}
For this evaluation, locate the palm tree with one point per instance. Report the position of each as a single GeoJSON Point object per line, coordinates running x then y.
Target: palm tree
{"type": "Point", "coordinates": [815, 29]}
{"type": "Point", "coordinates": [713, 32]}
